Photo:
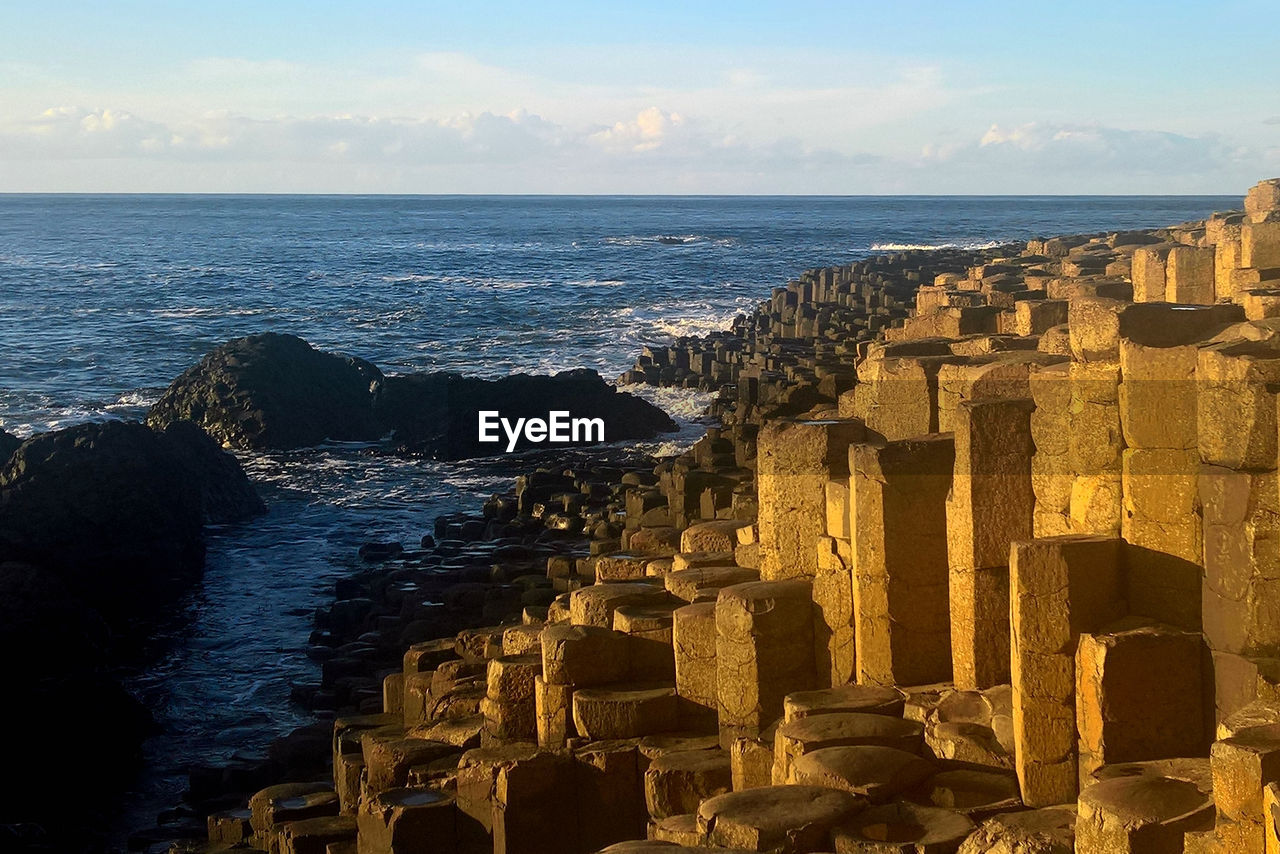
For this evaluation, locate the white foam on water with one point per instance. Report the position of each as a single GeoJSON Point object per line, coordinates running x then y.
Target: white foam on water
{"type": "Point", "coordinates": [687, 406]}
{"type": "Point", "coordinates": [682, 321]}
{"type": "Point", "coordinates": [184, 313]}
{"type": "Point", "coordinates": [692, 326]}
{"type": "Point", "coordinates": [596, 283]}
{"type": "Point", "coordinates": [668, 240]}
{"type": "Point", "coordinates": [963, 244]}
{"type": "Point", "coordinates": [144, 397]}
{"type": "Point", "coordinates": [682, 404]}
{"type": "Point", "coordinates": [206, 311]}
{"type": "Point", "coordinates": [59, 417]}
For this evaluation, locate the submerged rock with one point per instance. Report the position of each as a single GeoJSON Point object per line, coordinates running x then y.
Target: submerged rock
{"type": "Point", "coordinates": [116, 510]}
{"type": "Point", "coordinates": [274, 392]}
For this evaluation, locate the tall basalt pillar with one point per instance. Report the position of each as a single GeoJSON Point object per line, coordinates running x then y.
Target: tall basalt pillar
{"type": "Point", "coordinates": [990, 506]}
{"type": "Point", "coordinates": [898, 522]}
{"type": "Point", "coordinates": [795, 460]}
{"type": "Point", "coordinates": [1060, 588]}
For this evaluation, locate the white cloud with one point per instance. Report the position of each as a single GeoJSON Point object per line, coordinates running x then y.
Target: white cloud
{"type": "Point", "coordinates": [1053, 146]}
{"type": "Point", "coordinates": [72, 132]}
{"type": "Point", "coordinates": [652, 139]}
{"type": "Point", "coordinates": [443, 122]}
{"type": "Point", "coordinates": [647, 131]}
{"type": "Point", "coordinates": [1054, 157]}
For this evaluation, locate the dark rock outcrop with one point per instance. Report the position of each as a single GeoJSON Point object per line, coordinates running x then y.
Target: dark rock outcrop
{"type": "Point", "coordinates": [100, 527]}
{"type": "Point", "coordinates": [8, 444]}
{"type": "Point", "coordinates": [276, 392]}
{"type": "Point", "coordinates": [226, 494]}
{"type": "Point", "coordinates": [437, 414]}
{"type": "Point", "coordinates": [273, 392]}
{"type": "Point", "coordinates": [57, 681]}
{"type": "Point", "coordinates": [44, 628]}
{"type": "Point", "coordinates": [116, 510]}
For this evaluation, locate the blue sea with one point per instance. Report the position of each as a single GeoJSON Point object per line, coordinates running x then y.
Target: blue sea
{"type": "Point", "coordinates": [105, 299]}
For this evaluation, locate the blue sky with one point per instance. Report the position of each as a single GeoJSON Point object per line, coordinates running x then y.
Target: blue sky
{"type": "Point", "coordinates": [746, 97]}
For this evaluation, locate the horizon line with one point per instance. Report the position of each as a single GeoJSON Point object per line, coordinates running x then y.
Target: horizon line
{"type": "Point", "coordinates": [224, 194]}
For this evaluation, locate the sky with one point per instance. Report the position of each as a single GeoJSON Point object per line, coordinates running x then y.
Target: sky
{"type": "Point", "coordinates": [639, 98]}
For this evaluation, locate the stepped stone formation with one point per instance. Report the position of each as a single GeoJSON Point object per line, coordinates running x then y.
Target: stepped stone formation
{"type": "Point", "coordinates": [984, 557]}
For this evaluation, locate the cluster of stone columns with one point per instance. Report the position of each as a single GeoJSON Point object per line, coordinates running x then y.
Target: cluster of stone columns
{"type": "Point", "coordinates": [1013, 589]}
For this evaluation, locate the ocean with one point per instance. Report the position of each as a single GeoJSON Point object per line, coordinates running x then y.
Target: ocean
{"type": "Point", "coordinates": [105, 299]}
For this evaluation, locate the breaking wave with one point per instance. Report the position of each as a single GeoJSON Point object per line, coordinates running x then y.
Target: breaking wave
{"type": "Point", "coordinates": [962, 244]}
{"type": "Point", "coordinates": [669, 240]}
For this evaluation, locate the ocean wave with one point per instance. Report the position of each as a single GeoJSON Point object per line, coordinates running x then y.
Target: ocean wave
{"type": "Point", "coordinates": [143, 397]}
{"type": "Point", "coordinates": [595, 283]}
{"type": "Point", "coordinates": [468, 282]}
{"type": "Point", "coordinates": [692, 326]}
{"type": "Point", "coordinates": [498, 284]}
{"type": "Point", "coordinates": [206, 311]}
{"type": "Point", "coordinates": [40, 413]}
{"type": "Point", "coordinates": [682, 404]}
{"type": "Point", "coordinates": [56, 418]}
{"type": "Point", "coordinates": [668, 240]}
{"type": "Point", "coordinates": [962, 244]}
{"type": "Point", "coordinates": [411, 277]}
{"type": "Point", "coordinates": [685, 321]}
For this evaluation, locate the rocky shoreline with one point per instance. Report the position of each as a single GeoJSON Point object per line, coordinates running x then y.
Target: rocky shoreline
{"type": "Point", "coordinates": [980, 558]}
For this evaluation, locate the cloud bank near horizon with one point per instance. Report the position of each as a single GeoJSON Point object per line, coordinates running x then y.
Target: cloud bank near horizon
{"type": "Point", "coordinates": [448, 122]}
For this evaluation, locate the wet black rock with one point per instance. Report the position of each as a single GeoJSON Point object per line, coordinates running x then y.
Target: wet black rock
{"type": "Point", "coordinates": [274, 392]}
{"type": "Point", "coordinates": [226, 493]}
{"type": "Point", "coordinates": [277, 392]}
{"type": "Point", "coordinates": [57, 681]}
{"type": "Point", "coordinates": [116, 510]}
{"type": "Point", "coordinates": [437, 414]}
{"type": "Point", "coordinates": [8, 444]}
{"type": "Point", "coordinates": [378, 552]}
{"type": "Point", "coordinates": [45, 630]}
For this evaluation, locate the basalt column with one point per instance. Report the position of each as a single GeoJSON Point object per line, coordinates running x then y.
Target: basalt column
{"type": "Point", "coordinates": [764, 651]}
{"type": "Point", "coordinates": [1238, 382]}
{"type": "Point", "coordinates": [1158, 406]}
{"type": "Point", "coordinates": [795, 461]}
{"type": "Point", "coordinates": [990, 506]}
{"type": "Point", "coordinates": [898, 520]}
{"type": "Point", "coordinates": [1060, 588]}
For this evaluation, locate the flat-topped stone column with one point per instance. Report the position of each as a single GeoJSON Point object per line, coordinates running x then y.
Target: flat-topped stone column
{"type": "Point", "coordinates": [1159, 402]}
{"type": "Point", "coordinates": [1260, 245]}
{"type": "Point", "coordinates": [1189, 275]}
{"type": "Point", "coordinates": [693, 634]}
{"type": "Point", "coordinates": [1240, 593]}
{"type": "Point", "coordinates": [1136, 815]}
{"type": "Point", "coordinates": [1140, 695]}
{"type": "Point", "coordinates": [1060, 588]}
{"type": "Point", "coordinates": [990, 506]}
{"type": "Point", "coordinates": [1051, 475]}
{"type": "Point", "coordinates": [900, 581]}
{"type": "Point", "coordinates": [1243, 766]}
{"type": "Point", "coordinates": [1095, 445]}
{"type": "Point", "coordinates": [897, 397]}
{"type": "Point", "coordinates": [764, 651]}
{"type": "Point", "coordinates": [1150, 272]}
{"type": "Point", "coordinates": [795, 460]}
